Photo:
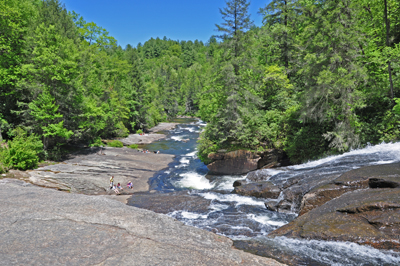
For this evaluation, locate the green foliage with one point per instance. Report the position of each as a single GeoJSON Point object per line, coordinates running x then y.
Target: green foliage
{"type": "Point", "coordinates": [139, 131]}
{"type": "Point", "coordinates": [96, 142]}
{"type": "Point", "coordinates": [116, 144]}
{"type": "Point", "coordinates": [22, 152]}
{"type": "Point", "coordinates": [133, 146]}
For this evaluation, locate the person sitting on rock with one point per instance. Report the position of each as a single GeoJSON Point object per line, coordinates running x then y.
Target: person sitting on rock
{"type": "Point", "coordinates": [116, 190]}
{"type": "Point", "coordinates": [129, 185]}
{"type": "Point", "coordinates": [119, 186]}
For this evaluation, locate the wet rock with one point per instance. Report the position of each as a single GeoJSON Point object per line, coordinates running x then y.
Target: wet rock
{"type": "Point", "coordinates": [233, 163]}
{"type": "Point", "coordinates": [272, 158]}
{"type": "Point", "coordinates": [263, 189]}
{"type": "Point", "coordinates": [269, 249]}
{"type": "Point", "coordinates": [376, 176]}
{"type": "Point", "coordinates": [47, 227]}
{"type": "Point", "coordinates": [169, 202]}
{"type": "Point", "coordinates": [365, 216]}
{"type": "Point", "coordinates": [258, 175]}
{"type": "Point", "coordinates": [239, 183]}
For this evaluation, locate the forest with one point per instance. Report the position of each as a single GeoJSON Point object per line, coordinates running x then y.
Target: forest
{"type": "Point", "coordinates": [317, 78]}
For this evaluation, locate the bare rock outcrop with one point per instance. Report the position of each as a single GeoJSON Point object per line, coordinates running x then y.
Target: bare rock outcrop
{"type": "Point", "coordinates": [242, 161]}
{"type": "Point", "coordinates": [41, 226]}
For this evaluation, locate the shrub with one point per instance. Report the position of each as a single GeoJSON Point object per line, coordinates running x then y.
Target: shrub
{"type": "Point", "coordinates": [133, 146]}
{"type": "Point", "coordinates": [116, 144]}
{"type": "Point", "coordinates": [139, 131]}
{"type": "Point", "coordinates": [96, 142]}
{"type": "Point", "coordinates": [22, 152]}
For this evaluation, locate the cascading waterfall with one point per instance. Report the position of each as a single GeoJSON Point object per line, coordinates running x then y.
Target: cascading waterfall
{"type": "Point", "coordinates": [239, 217]}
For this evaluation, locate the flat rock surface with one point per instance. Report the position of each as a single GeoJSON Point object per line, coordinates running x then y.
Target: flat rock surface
{"type": "Point", "coordinates": [89, 171]}
{"type": "Point", "coordinates": [41, 226]}
{"type": "Point", "coordinates": [149, 137]}
{"type": "Point", "coordinates": [169, 202]}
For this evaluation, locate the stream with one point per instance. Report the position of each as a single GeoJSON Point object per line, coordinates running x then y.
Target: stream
{"type": "Point", "coordinates": [243, 218]}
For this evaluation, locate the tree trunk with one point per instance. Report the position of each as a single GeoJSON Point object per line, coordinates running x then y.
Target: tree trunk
{"type": "Point", "coordinates": [387, 44]}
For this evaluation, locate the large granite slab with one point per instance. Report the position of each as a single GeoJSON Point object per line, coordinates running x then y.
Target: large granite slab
{"type": "Point", "coordinates": [40, 226]}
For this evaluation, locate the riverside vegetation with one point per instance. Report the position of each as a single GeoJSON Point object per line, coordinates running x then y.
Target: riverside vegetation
{"type": "Point", "coordinates": [317, 77]}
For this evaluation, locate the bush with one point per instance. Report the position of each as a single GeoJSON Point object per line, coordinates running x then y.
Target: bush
{"type": "Point", "coordinates": [96, 142]}
{"type": "Point", "coordinates": [133, 146]}
{"type": "Point", "coordinates": [139, 131]}
{"type": "Point", "coordinates": [22, 152]}
{"type": "Point", "coordinates": [116, 144]}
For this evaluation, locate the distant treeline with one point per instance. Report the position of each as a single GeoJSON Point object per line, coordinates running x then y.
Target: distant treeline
{"type": "Point", "coordinates": [318, 77]}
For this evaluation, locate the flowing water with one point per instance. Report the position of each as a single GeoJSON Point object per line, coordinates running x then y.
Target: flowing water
{"type": "Point", "coordinates": [242, 218]}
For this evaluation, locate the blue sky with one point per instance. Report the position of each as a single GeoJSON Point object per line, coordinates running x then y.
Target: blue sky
{"type": "Point", "coordinates": [134, 21]}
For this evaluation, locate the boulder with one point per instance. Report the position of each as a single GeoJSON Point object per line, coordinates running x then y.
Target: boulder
{"type": "Point", "coordinates": [272, 158]}
{"type": "Point", "coordinates": [233, 163]}
{"type": "Point", "coordinates": [242, 161]}
{"type": "Point", "coordinates": [364, 216]}
{"type": "Point", "coordinates": [263, 189]}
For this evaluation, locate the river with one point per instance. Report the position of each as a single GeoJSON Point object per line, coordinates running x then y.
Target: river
{"type": "Point", "coordinates": [242, 218]}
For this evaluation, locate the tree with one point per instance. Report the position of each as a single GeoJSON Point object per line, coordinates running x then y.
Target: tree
{"type": "Point", "coordinates": [236, 23]}
{"type": "Point", "coordinates": [47, 120]}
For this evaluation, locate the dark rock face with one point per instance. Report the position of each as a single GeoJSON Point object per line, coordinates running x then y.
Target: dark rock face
{"type": "Point", "coordinates": [376, 176]}
{"type": "Point", "coordinates": [241, 161]}
{"type": "Point", "coordinates": [365, 216]}
{"type": "Point", "coordinates": [263, 189]}
{"type": "Point", "coordinates": [259, 175]}
{"type": "Point", "coordinates": [233, 163]}
{"type": "Point", "coordinates": [169, 202]}
{"type": "Point", "coordinates": [272, 158]}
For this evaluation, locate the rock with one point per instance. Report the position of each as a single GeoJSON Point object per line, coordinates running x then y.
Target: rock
{"type": "Point", "coordinates": [375, 176]}
{"type": "Point", "coordinates": [141, 139]}
{"type": "Point", "coordinates": [89, 173]}
{"type": "Point", "coordinates": [364, 216]}
{"type": "Point", "coordinates": [169, 202]}
{"type": "Point", "coordinates": [163, 127]}
{"type": "Point", "coordinates": [263, 189]}
{"type": "Point", "coordinates": [239, 183]}
{"type": "Point", "coordinates": [258, 175]}
{"type": "Point", "coordinates": [41, 226]}
{"type": "Point", "coordinates": [272, 158]}
{"type": "Point", "coordinates": [233, 163]}
{"type": "Point", "coordinates": [241, 161]}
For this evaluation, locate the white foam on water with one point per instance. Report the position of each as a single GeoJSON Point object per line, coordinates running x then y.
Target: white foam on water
{"type": "Point", "coordinates": [215, 207]}
{"type": "Point", "coordinates": [167, 172]}
{"type": "Point", "coordinates": [184, 160]}
{"type": "Point", "coordinates": [239, 200]}
{"type": "Point", "coordinates": [192, 215]}
{"type": "Point", "coordinates": [190, 129]}
{"type": "Point", "coordinates": [339, 253]}
{"type": "Point", "coordinates": [177, 138]}
{"type": "Point", "coordinates": [383, 162]}
{"type": "Point", "coordinates": [226, 182]}
{"type": "Point", "coordinates": [386, 149]}
{"type": "Point", "coordinates": [264, 219]}
{"type": "Point", "coordinates": [191, 154]}
{"type": "Point", "coordinates": [193, 180]}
